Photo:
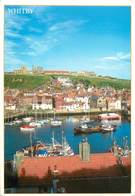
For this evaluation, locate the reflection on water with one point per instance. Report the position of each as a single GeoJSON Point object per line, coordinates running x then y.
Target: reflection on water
{"type": "Point", "coordinates": [15, 139]}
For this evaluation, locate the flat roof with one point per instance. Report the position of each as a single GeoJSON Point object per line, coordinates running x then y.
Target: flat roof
{"type": "Point", "coordinates": [99, 164]}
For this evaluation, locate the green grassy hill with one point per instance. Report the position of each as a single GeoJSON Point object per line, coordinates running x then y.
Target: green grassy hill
{"type": "Point", "coordinates": [25, 81]}
{"type": "Point", "coordinates": [102, 82]}
{"type": "Point", "coordinates": [32, 81]}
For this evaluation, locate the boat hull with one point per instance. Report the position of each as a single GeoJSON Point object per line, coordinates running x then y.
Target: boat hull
{"type": "Point", "coordinates": [27, 128]}
{"type": "Point", "coordinates": [87, 130]}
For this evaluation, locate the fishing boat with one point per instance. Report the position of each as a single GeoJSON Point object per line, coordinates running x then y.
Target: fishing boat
{"type": "Point", "coordinates": [121, 150]}
{"type": "Point", "coordinates": [27, 128]}
{"type": "Point", "coordinates": [79, 130]}
{"type": "Point", "coordinates": [39, 148]}
{"type": "Point", "coordinates": [63, 149]}
{"type": "Point", "coordinates": [90, 127]}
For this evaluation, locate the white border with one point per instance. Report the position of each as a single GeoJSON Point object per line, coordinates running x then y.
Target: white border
{"type": "Point", "coordinates": [1, 99]}
{"type": "Point", "coordinates": [68, 2]}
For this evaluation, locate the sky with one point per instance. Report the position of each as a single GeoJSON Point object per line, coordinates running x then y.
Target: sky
{"type": "Point", "coordinates": [72, 38]}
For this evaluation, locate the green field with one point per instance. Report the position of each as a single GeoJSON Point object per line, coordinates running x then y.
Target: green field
{"type": "Point", "coordinates": [30, 82]}
{"type": "Point", "coordinates": [25, 81]}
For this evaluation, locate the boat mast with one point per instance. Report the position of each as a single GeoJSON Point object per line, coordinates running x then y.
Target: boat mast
{"type": "Point", "coordinates": [35, 127]}
{"type": "Point", "coordinates": [125, 143]}
{"type": "Point", "coordinates": [62, 134]}
{"type": "Point", "coordinates": [89, 106]}
{"type": "Point", "coordinates": [31, 144]}
{"type": "Point", "coordinates": [53, 138]}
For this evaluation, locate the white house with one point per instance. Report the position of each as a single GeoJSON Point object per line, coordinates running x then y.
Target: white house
{"type": "Point", "coordinates": [114, 105]}
{"type": "Point", "coordinates": [43, 102]}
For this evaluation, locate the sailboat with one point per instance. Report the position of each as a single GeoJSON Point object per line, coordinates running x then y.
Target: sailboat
{"type": "Point", "coordinates": [55, 122]}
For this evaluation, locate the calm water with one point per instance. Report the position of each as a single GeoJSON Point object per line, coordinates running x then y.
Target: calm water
{"type": "Point", "coordinates": [15, 139]}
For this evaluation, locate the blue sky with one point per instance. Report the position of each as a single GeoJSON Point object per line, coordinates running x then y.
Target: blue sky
{"type": "Point", "coordinates": [72, 38]}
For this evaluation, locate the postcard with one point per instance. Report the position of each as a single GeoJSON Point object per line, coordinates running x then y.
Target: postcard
{"type": "Point", "coordinates": [67, 99]}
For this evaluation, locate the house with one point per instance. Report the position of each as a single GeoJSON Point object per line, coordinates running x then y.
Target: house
{"type": "Point", "coordinates": [42, 102]}
{"type": "Point", "coordinates": [58, 101]}
{"type": "Point", "coordinates": [10, 107]}
{"type": "Point", "coordinates": [93, 101]}
{"type": "Point", "coordinates": [9, 103]}
{"type": "Point", "coordinates": [102, 104]}
{"type": "Point", "coordinates": [71, 107]}
{"type": "Point", "coordinates": [83, 102]}
{"type": "Point", "coordinates": [114, 104]}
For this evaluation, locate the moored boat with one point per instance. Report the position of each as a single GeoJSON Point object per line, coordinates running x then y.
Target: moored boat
{"type": "Point", "coordinates": [27, 119]}
{"type": "Point", "coordinates": [27, 128]}
{"type": "Point", "coordinates": [79, 130]}
{"type": "Point", "coordinates": [107, 128]}
{"type": "Point", "coordinates": [109, 116]}
{"type": "Point", "coordinates": [40, 149]}
{"type": "Point", "coordinates": [35, 124]}
{"type": "Point", "coordinates": [89, 127]}
{"type": "Point", "coordinates": [56, 123]}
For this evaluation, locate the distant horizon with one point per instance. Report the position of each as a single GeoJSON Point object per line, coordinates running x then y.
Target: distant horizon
{"type": "Point", "coordinates": [70, 71]}
{"type": "Point", "coordinates": [92, 38]}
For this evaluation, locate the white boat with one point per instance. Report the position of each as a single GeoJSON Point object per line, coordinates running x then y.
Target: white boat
{"type": "Point", "coordinates": [109, 116]}
{"type": "Point", "coordinates": [43, 121]}
{"type": "Point", "coordinates": [27, 119]}
{"type": "Point", "coordinates": [85, 120]}
{"type": "Point", "coordinates": [27, 128]}
{"type": "Point", "coordinates": [56, 123]}
{"type": "Point", "coordinates": [107, 128]}
{"type": "Point", "coordinates": [17, 121]}
{"type": "Point", "coordinates": [63, 149]}
{"type": "Point", "coordinates": [10, 123]}
{"type": "Point", "coordinates": [35, 124]}
{"type": "Point", "coordinates": [84, 126]}
{"type": "Point", "coordinates": [67, 150]}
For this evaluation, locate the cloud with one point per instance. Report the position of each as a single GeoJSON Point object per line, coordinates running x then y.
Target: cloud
{"type": "Point", "coordinates": [118, 57]}
{"type": "Point", "coordinates": [114, 67]}
{"type": "Point", "coordinates": [11, 59]}
{"type": "Point", "coordinates": [69, 25]}
{"type": "Point", "coordinates": [54, 36]}
{"type": "Point", "coordinates": [114, 64]}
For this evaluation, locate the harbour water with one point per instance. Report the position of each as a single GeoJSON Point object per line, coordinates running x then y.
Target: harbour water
{"type": "Point", "coordinates": [99, 142]}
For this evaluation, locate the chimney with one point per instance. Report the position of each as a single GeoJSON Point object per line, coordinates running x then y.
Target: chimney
{"type": "Point", "coordinates": [84, 150]}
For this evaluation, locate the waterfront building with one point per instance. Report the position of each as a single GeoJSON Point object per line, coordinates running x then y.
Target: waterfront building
{"type": "Point", "coordinates": [42, 102]}
{"type": "Point", "coordinates": [71, 107]}
{"type": "Point", "coordinates": [9, 103]}
{"type": "Point", "coordinates": [101, 103]}
{"type": "Point", "coordinates": [114, 104]}
{"type": "Point", "coordinates": [93, 101]}
{"type": "Point", "coordinates": [58, 101]}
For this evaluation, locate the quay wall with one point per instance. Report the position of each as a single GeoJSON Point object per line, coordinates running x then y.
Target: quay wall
{"type": "Point", "coordinates": [44, 114]}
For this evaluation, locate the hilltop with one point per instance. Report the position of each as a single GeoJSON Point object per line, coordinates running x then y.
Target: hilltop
{"type": "Point", "coordinates": [29, 82]}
